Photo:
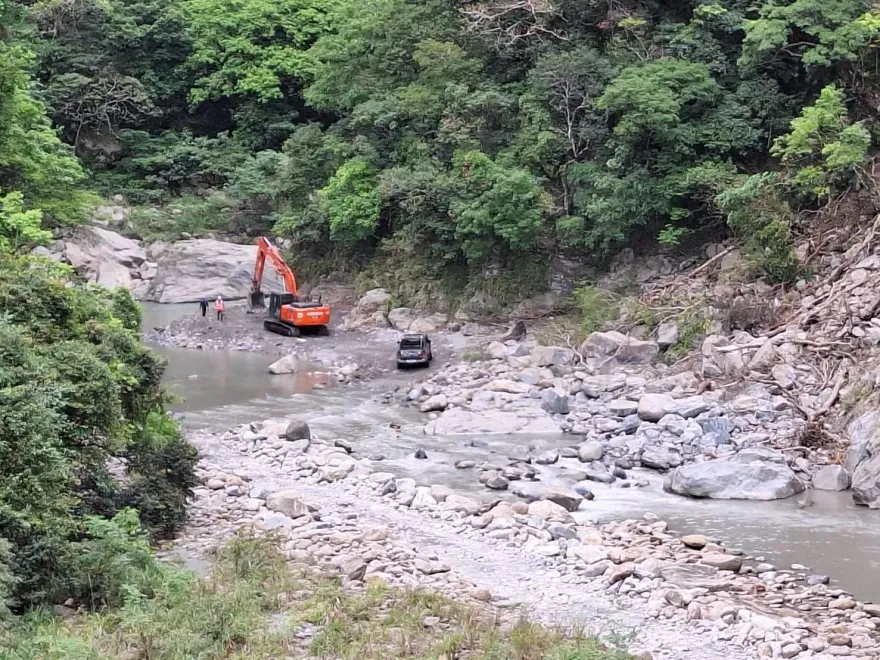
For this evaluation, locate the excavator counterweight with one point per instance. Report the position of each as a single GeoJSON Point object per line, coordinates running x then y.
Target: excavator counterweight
{"type": "Point", "coordinates": [288, 315]}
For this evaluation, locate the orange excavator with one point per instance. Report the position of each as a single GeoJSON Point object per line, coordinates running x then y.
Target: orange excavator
{"type": "Point", "coordinates": [288, 315]}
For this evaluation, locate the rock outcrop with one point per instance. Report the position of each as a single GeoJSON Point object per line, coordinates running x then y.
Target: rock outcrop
{"type": "Point", "coordinates": [193, 269]}
{"type": "Point", "coordinates": [106, 257]}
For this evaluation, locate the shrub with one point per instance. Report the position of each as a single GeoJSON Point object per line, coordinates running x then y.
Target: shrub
{"type": "Point", "coordinates": [596, 307]}
{"type": "Point", "coordinates": [77, 388]}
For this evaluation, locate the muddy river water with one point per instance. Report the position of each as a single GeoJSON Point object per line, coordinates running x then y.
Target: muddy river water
{"type": "Point", "coordinates": [219, 389]}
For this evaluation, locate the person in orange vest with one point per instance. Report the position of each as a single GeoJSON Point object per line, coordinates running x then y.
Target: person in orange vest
{"type": "Point", "coordinates": [220, 306]}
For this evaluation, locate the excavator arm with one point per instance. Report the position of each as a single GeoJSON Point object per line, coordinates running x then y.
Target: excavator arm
{"type": "Point", "coordinates": [268, 252]}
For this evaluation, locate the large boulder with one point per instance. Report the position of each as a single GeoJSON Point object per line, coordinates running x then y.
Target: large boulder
{"type": "Point", "coordinates": [289, 502]}
{"type": "Point", "coordinates": [103, 256]}
{"type": "Point", "coordinates": [289, 364]}
{"type": "Point", "coordinates": [724, 479]}
{"type": "Point", "coordinates": [400, 318]}
{"type": "Point", "coordinates": [370, 310]}
{"type": "Point", "coordinates": [549, 356]}
{"type": "Point", "coordinates": [205, 268]}
{"type": "Point", "coordinates": [652, 407]}
{"type": "Point", "coordinates": [567, 499]}
{"type": "Point", "coordinates": [539, 306]}
{"type": "Point", "coordinates": [456, 421]}
{"type": "Point", "coordinates": [605, 352]}
{"type": "Point", "coordinates": [831, 477]}
{"type": "Point", "coordinates": [297, 429]}
{"type": "Point", "coordinates": [113, 274]}
{"type": "Point", "coordinates": [373, 300]}
{"type": "Point", "coordinates": [554, 403]}
{"type": "Point", "coordinates": [866, 481]}
{"type": "Point", "coordinates": [426, 324]}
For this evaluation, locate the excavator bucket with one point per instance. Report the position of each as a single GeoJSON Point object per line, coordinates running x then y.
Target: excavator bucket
{"type": "Point", "coordinates": [257, 300]}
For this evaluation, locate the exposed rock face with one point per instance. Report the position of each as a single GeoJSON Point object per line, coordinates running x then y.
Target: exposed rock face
{"type": "Point", "coordinates": [204, 268]}
{"type": "Point", "coordinates": [463, 422]}
{"type": "Point", "coordinates": [479, 306]}
{"type": "Point", "coordinates": [732, 480]}
{"type": "Point", "coordinates": [863, 458]}
{"type": "Point", "coordinates": [105, 257]}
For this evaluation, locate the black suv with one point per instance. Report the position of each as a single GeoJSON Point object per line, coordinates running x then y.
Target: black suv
{"type": "Point", "coordinates": [414, 350]}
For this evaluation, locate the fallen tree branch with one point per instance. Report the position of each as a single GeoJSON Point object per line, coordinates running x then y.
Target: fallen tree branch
{"type": "Point", "coordinates": [710, 262]}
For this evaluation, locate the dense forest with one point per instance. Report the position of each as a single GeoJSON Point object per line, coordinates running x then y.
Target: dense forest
{"type": "Point", "coordinates": [457, 137]}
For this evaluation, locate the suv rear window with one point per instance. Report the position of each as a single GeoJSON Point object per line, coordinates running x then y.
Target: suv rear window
{"type": "Point", "coordinates": [410, 343]}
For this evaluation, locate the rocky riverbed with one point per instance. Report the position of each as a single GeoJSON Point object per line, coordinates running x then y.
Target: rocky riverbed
{"type": "Point", "coordinates": [709, 444]}
{"type": "Point", "coordinates": [678, 596]}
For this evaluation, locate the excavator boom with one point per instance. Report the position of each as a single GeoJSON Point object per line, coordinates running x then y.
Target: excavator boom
{"type": "Point", "coordinates": [288, 315]}
{"type": "Point", "coordinates": [267, 251]}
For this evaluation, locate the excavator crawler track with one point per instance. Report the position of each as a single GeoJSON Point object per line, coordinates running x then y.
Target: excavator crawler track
{"type": "Point", "coordinates": [281, 328]}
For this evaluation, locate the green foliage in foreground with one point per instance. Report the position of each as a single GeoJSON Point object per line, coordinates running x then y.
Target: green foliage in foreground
{"type": "Point", "coordinates": [77, 390]}
{"type": "Point", "coordinates": [252, 606]}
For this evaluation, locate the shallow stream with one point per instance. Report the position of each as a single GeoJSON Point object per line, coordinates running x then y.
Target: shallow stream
{"type": "Point", "coordinates": [219, 389]}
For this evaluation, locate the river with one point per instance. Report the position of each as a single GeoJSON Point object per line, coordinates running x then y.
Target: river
{"type": "Point", "coordinates": [219, 389]}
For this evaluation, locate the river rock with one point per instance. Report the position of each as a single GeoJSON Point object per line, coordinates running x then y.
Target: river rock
{"type": "Point", "coordinates": [548, 356]}
{"type": "Point", "coordinates": [866, 481]}
{"type": "Point", "coordinates": [289, 364]}
{"type": "Point", "coordinates": [567, 499]}
{"type": "Point", "coordinates": [622, 407]}
{"type": "Point", "coordinates": [831, 477]}
{"type": "Point", "coordinates": [667, 335]}
{"type": "Point", "coordinates": [456, 421]}
{"type": "Point", "coordinates": [695, 541]}
{"type": "Point", "coordinates": [434, 403]}
{"type": "Point", "coordinates": [289, 502]}
{"type": "Point", "coordinates": [591, 451]}
{"type": "Point", "coordinates": [554, 403]}
{"type": "Point", "coordinates": [695, 576]}
{"type": "Point", "coordinates": [652, 407]}
{"type": "Point", "coordinates": [297, 429]}
{"type": "Point", "coordinates": [722, 561]}
{"type": "Point", "coordinates": [731, 480]}
{"type": "Point", "coordinates": [605, 352]}
{"type": "Point", "coordinates": [205, 268]}
{"type": "Point", "coordinates": [660, 459]}
{"type": "Point", "coordinates": [549, 511]}
{"type": "Point", "coordinates": [354, 568]}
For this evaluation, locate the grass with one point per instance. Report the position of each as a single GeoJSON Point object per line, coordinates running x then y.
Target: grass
{"type": "Point", "coordinates": [597, 308]}
{"type": "Point", "coordinates": [258, 607]}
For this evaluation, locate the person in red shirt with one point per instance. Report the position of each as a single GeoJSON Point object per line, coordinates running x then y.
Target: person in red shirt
{"type": "Point", "coordinates": [220, 307]}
